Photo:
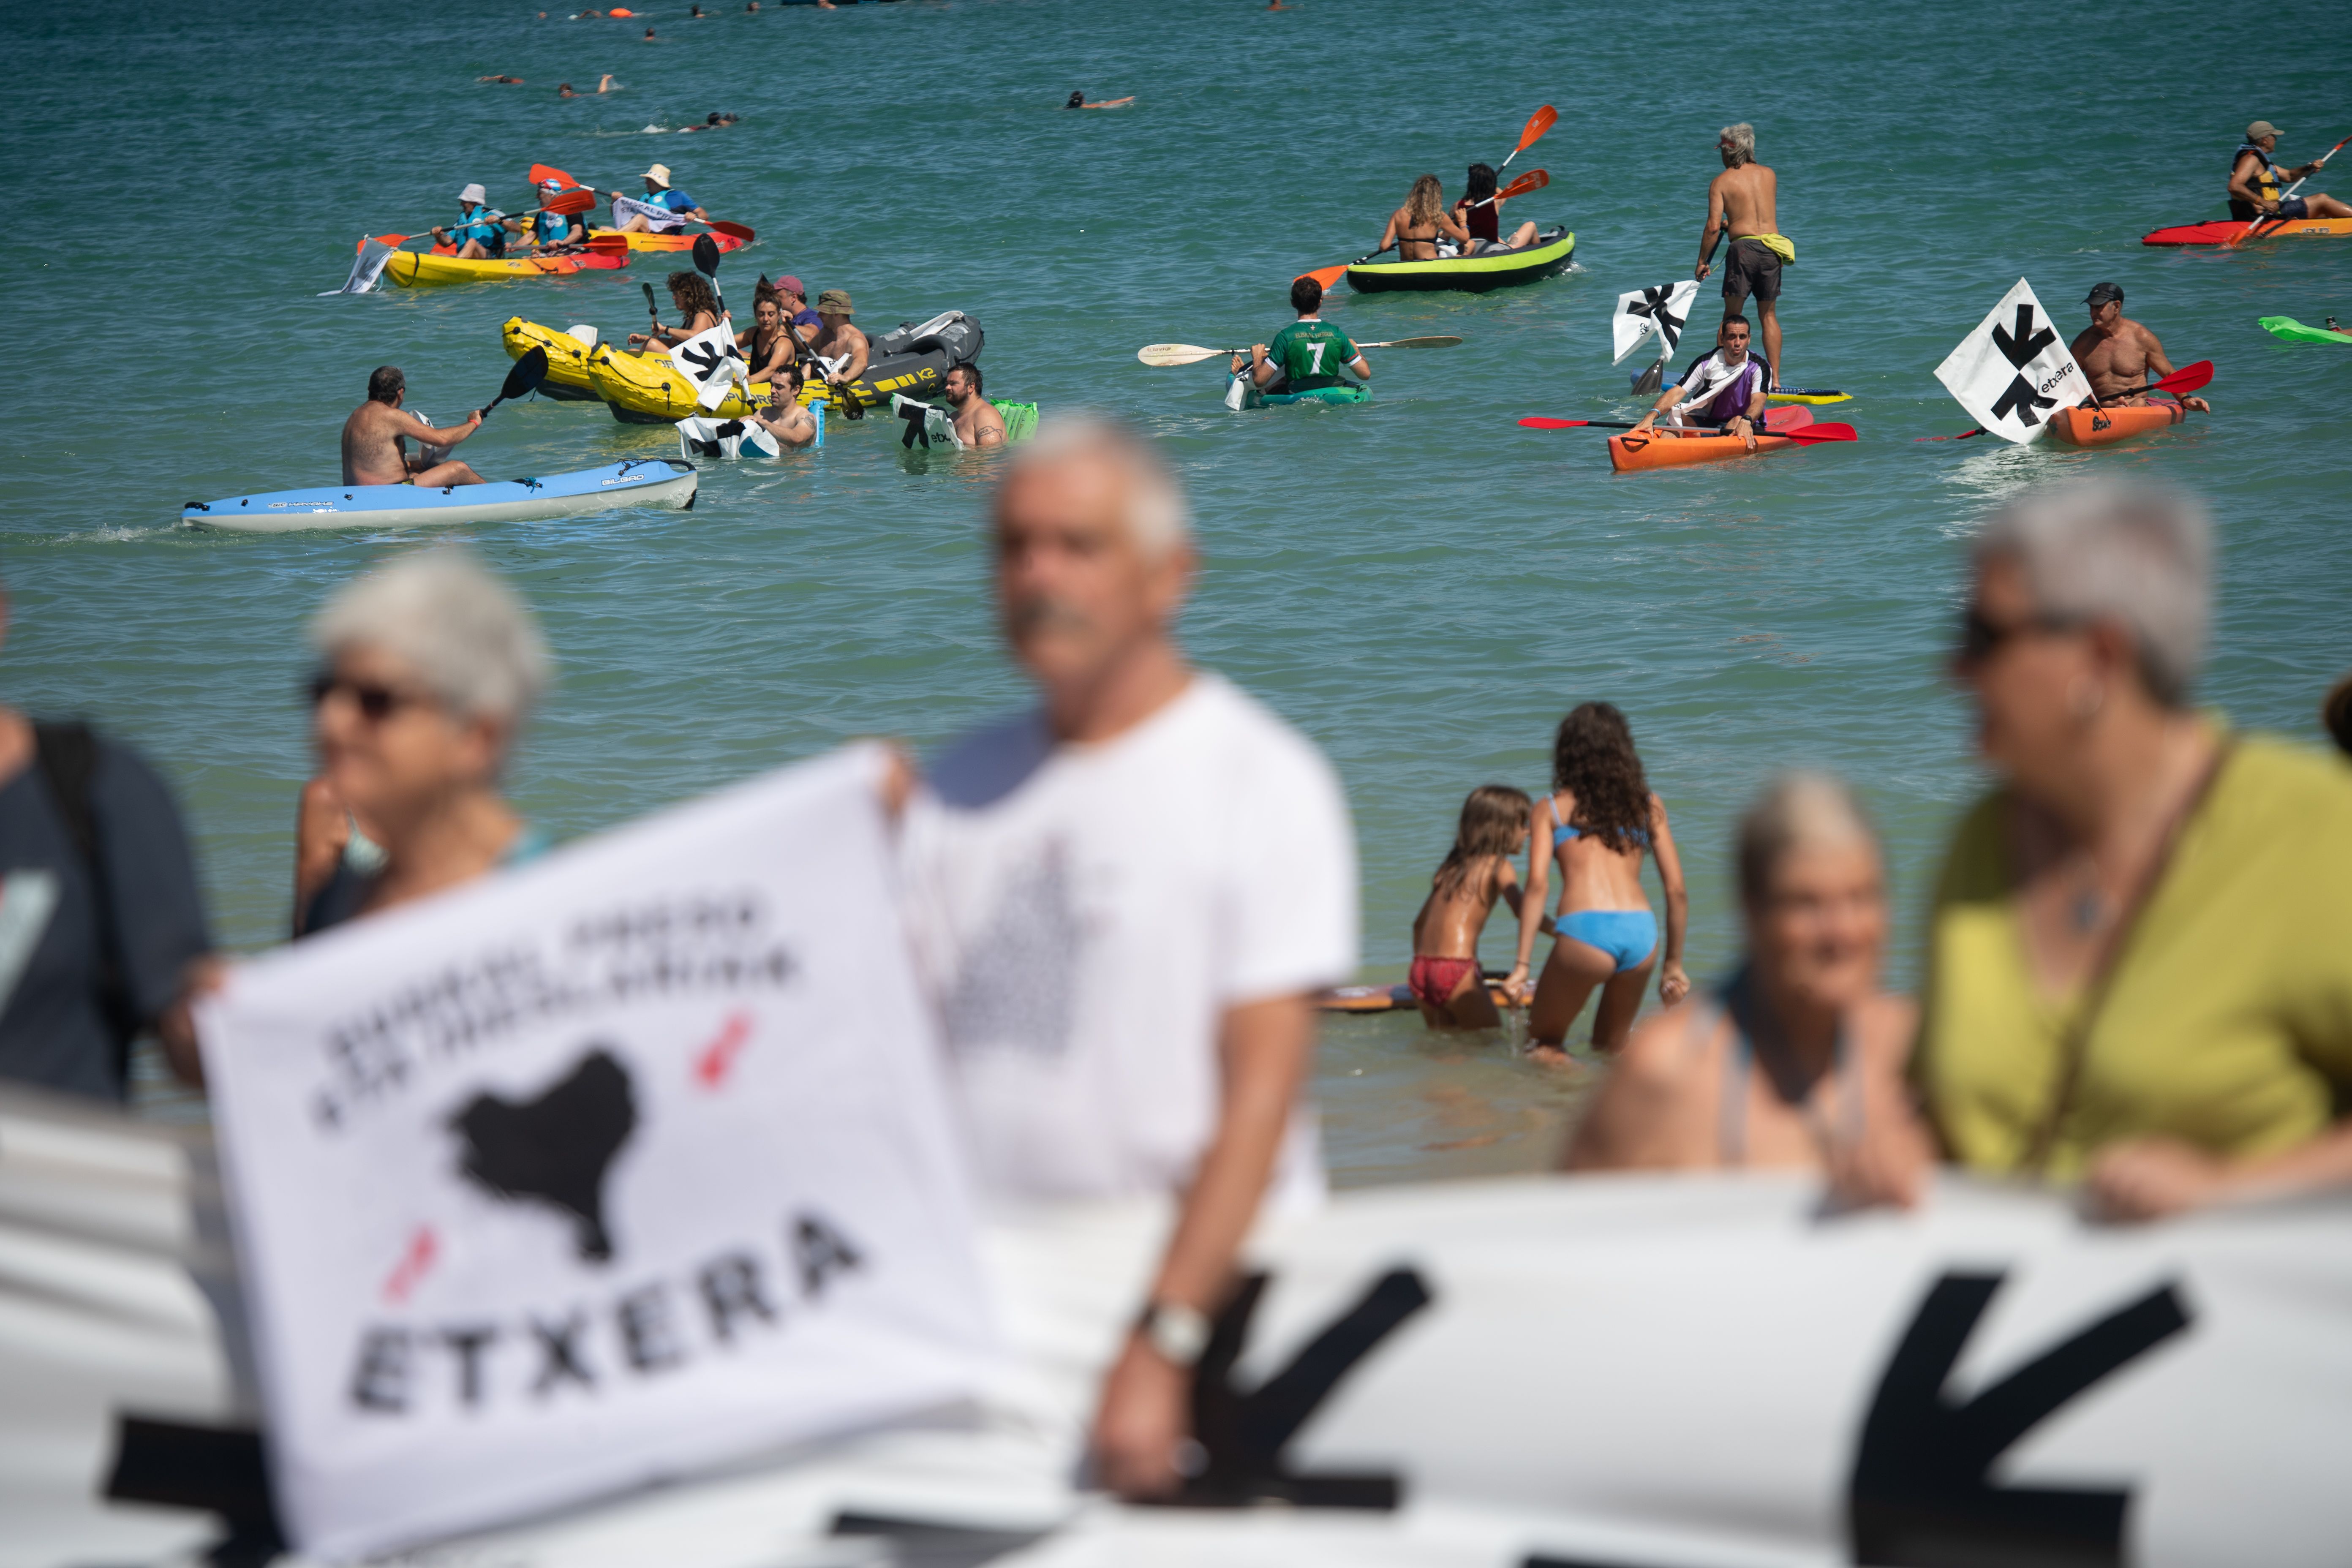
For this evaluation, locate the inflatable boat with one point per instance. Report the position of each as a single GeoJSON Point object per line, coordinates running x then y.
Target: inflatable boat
{"type": "Point", "coordinates": [911, 360]}
{"type": "Point", "coordinates": [640, 481]}
{"type": "Point", "coordinates": [567, 356]}
{"type": "Point", "coordinates": [934, 426]}
{"type": "Point", "coordinates": [1243, 393]}
{"type": "Point", "coordinates": [1548, 254]}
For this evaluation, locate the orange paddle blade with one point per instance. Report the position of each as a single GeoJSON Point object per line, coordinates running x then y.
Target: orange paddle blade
{"type": "Point", "coordinates": [1542, 121]}
{"type": "Point", "coordinates": [543, 173]}
{"type": "Point", "coordinates": [1328, 277]}
{"type": "Point", "coordinates": [742, 231]}
{"type": "Point", "coordinates": [1533, 180]}
{"type": "Point", "coordinates": [394, 240]}
{"type": "Point", "coordinates": [609, 244]}
{"type": "Point", "coordinates": [2188, 378]}
{"type": "Point", "coordinates": [571, 201]}
{"type": "Point", "coordinates": [1811, 433]}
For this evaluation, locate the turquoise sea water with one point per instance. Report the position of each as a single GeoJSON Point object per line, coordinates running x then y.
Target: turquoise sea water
{"type": "Point", "coordinates": [1418, 584]}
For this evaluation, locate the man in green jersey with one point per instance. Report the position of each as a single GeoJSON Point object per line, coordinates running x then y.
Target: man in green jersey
{"type": "Point", "coordinates": [1306, 354]}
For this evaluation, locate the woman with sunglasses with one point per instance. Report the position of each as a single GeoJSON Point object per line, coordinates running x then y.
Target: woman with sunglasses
{"type": "Point", "coordinates": [430, 664]}
{"type": "Point", "coordinates": [2138, 975]}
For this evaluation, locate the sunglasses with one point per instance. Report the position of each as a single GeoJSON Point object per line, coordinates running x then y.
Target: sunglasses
{"type": "Point", "coordinates": [1981, 637]}
{"type": "Point", "coordinates": [376, 703]}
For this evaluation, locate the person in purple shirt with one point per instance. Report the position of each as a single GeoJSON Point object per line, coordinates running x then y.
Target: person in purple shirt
{"type": "Point", "coordinates": [792, 296]}
{"type": "Point", "coordinates": [1725, 389]}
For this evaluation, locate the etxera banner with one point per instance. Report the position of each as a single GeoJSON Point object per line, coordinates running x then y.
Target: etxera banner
{"type": "Point", "coordinates": [2014, 369]}
{"type": "Point", "coordinates": [605, 1167]}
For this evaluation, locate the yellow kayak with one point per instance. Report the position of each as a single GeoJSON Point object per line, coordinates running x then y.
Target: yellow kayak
{"type": "Point", "coordinates": [410, 269]}
{"type": "Point", "coordinates": [567, 356]}
{"type": "Point", "coordinates": [647, 389]}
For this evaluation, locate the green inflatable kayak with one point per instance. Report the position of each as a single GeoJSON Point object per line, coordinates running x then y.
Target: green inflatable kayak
{"type": "Point", "coordinates": [1550, 254]}
{"type": "Point", "coordinates": [1243, 393]}
{"type": "Point", "coordinates": [2295, 332]}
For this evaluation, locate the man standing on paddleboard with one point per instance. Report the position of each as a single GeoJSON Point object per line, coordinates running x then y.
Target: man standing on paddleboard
{"type": "Point", "coordinates": [1743, 201]}
{"type": "Point", "coordinates": [1123, 902]}
{"type": "Point", "coordinates": [2119, 354]}
{"type": "Point", "coordinates": [2254, 182]}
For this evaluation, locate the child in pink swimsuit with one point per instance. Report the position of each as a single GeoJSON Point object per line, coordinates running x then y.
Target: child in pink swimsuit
{"type": "Point", "coordinates": [1477, 870]}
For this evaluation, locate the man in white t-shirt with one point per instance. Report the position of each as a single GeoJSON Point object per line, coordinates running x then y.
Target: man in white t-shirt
{"type": "Point", "coordinates": [1124, 901]}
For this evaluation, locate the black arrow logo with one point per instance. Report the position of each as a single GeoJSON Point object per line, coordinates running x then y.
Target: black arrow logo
{"type": "Point", "coordinates": [2020, 347]}
{"type": "Point", "coordinates": [1921, 1496]}
{"type": "Point", "coordinates": [705, 357]}
{"type": "Point", "coordinates": [2020, 397]}
{"type": "Point", "coordinates": [1655, 303]}
{"type": "Point", "coordinates": [1245, 1434]}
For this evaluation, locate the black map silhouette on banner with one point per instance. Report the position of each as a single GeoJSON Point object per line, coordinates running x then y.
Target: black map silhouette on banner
{"type": "Point", "coordinates": [555, 1148]}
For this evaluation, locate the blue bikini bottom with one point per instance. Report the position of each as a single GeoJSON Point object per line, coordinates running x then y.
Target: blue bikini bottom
{"type": "Point", "coordinates": [1629, 936]}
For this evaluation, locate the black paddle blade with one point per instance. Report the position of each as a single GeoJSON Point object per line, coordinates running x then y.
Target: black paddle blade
{"type": "Point", "coordinates": [649, 299]}
{"type": "Point", "coordinates": [706, 256]}
{"type": "Point", "coordinates": [526, 376]}
{"type": "Point", "coordinates": [1650, 381]}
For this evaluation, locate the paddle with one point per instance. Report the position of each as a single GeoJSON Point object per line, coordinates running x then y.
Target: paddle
{"type": "Point", "coordinates": [1542, 121]}
{"type": "Point", "coordinates": [2188, 378]}
{"type": "Point", "coordinates": [522, 379]}
{"type": "Point", "coordinates": [1799, 433]}
{"type": "Point", "coordinates": [1533, 180]}
{"type": "Point", "coordinates": [2248, 232]}
{"type": "Point", "coordinates": [1193, 354]}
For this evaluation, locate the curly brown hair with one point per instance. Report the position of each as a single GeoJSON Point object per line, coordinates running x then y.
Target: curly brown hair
{"type": "Point", "coordinates": [692, 294]}
{"type": "Point", "coordinates": [1593, 758]}
{"type": "Point", "coordinates": [1492, 820]}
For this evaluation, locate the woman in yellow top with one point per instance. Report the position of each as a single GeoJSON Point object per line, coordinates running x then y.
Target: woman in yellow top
{"type": "Point", "coordinates": [2139, 971]}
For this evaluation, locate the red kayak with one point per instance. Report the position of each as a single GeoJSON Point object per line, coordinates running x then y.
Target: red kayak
{"type": "Point", "coordinates": [2229, 231]}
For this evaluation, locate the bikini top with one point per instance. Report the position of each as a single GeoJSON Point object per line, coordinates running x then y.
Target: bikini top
{"type": "Point", "coordinates": [1731, 1122]}
{"type": "Point", "coordinates": [1563, 831]}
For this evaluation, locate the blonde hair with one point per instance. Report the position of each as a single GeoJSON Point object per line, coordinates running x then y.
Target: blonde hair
{"type": "Point", "coordinates": [1492, 820]}
{"type": "Point", "coordinates": [1426, 201]}
{"type": "Point", "coordinates": [1741, 141]}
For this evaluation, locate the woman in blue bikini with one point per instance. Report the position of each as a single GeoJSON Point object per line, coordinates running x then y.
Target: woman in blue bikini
{"type": "Point", "coordinates": [1597, 824]}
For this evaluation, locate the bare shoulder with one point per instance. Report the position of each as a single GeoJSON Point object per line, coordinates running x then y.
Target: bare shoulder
{"type": "Point", "coordinates": [1887, 1025]}
{"type": "Point", "coordinates": [1657, 1060]}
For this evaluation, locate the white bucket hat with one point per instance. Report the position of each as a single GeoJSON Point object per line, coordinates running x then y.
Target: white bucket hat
{"type": "Point", "coordinates": [474, 192]}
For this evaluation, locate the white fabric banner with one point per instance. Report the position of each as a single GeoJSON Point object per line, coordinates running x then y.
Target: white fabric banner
{"type": "Point", "coordinates": [2013, 369]}
{"type": "Point", "coordinates": [611, 1165]}
{"type": "Point", "coordinates": [713, 362]}
{"type": "Point", "coordinates": [366, 268]}
{"type": "Point", "coordinates": [662, 219]}
{"type": "Point", "coordinates": [1658, 313]}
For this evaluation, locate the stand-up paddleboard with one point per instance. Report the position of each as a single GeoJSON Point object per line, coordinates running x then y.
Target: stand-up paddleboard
{"type": "Point", "coordinates": [2295, 332]}
{"type": "Point", "coordinates": [1815, 395]}
{"type": "Point", "coordinates": [2234, 231]}
{"type": "Point", "coordinates": [639, 481]}
{"type": "Point", "coordinates": [1392, 998]}
{"type": "Point", "coordinates": [2105, 426]}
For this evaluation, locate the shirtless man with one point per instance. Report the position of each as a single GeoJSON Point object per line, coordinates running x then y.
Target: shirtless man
{"type": "Point", "coordinates": [372, 436]}
{"type": "Point", "coordinates": [792, 425]}
{"type": "Point", "coordinates": [2254, 182]}
{"type": "Point", "coordinates": [1742, 201]}
{"type": "Point", "coordinates": [841, 345]}
{"type": "Point", "coordinates": [2118, 353]}
{"type": "Point", "coordinates": [977, 422]}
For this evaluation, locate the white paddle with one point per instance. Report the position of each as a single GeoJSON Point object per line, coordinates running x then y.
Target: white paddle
{"type": "Point", "coordinates": [1193, 354]}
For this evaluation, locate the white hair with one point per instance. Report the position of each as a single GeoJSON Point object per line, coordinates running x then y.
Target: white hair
{"type": "Point", "coordinates": [1798, 810]}
{"type": "Point", "coordinates": [1741, 139]}
{"type": "Point", "coordinates": [2134, 554]}
{"type": "Point", "coordinates": [441, 613]}
{"type": "Point", "coordinates": [1155, 513]}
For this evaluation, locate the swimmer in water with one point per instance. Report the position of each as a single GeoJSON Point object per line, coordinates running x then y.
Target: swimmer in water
{"type": "Point", "coordinates": [603, 85]}
{"type": "Point", "coordinates": [509, 80]}
{"type": "Point", "coordinates": [650, 34]}
{"type": "Point", "coordinates": [717, 121]}
{"type": "Point", "coordinates": [1078, 101]}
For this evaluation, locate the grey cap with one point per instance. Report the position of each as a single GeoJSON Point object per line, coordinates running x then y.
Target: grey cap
{"type": "Point", "coordinates": [2102, 292]}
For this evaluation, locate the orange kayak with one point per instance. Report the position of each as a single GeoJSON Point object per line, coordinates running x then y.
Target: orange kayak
{"type": "Point", "coordinates": [641, 241]}
{"type": "Point", "coordinates": [1662, 449]}
{"type": "Point", "coordinates": [2098, 426]}
{"type": "Point", "coordinates": [2234, 232]}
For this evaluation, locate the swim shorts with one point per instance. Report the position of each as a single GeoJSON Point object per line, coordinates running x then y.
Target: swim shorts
{"type": "Point", "coordinates": [1750, 268]}
{"type": "Point", "coordinates": [2289, 207]}
{"type": "Point", "coordinates": [1434, 980]}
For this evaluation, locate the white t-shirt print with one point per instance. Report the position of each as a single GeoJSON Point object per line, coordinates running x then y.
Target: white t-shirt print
{"type": "Point", "coordinates": [1082, 915]}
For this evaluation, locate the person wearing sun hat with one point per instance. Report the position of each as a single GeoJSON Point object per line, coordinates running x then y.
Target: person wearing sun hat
{"type": "Point", "coordinates": [479, 231]}
{"type": "Point", "coordinates": [842, 347]}
{"type": "Point", "coordinates": [643, 217]}
{"type": "Point", "coordinates": [2254, 182]}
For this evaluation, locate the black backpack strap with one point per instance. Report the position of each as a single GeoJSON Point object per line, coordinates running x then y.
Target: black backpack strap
{"type": "Point", "coordinates": [67, 752]}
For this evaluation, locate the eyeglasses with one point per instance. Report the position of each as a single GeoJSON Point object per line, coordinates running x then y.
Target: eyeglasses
{"type": "Point", "coordinates": [1981, 637]}
{"type": "Point", "coordinates": [376, 703]}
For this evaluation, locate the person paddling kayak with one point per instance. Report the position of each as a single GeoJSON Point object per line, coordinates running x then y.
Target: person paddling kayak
{"type": "Point", "coordinates": [552, 233]}
{"type": "Point", "coordinates": [1308, 352]}
{"type": "Point", "coordinates": [659, 192]}
{"type": "Point", "coordinates": [478, 232]}
{"type": "Point", "coordinates": [1415, 227]}
{"type": "Point", "coordinates": [1726, 388]}
{"type": "Point", "coordinates": [1743, 201]}
{"type": "Point", "coordinates": [373, 439]}
{"type": "Point", "coordinates": [2119, 355]}
{"type": "Point", "coordinates": [690, 292]}
{"type": "Point", "coordinates": [1482, 216]}
{"type": "Point", "coordinates": [2254, 182]}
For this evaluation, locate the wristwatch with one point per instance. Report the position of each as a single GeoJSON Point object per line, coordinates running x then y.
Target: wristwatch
{"type": "Point", "coordinates": [1178, 1333]}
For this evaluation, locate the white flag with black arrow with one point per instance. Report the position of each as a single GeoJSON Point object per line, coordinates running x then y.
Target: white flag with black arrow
{"type": "Point", "coordinates": [2014, 369]}
{"type": "Point", "coordinates": [711, 360]}
{"type": "Point", "coordinates": [1652, 313]}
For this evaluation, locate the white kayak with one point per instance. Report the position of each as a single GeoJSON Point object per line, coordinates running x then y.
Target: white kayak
{"type": "Point", "coordinates": [639, 481]}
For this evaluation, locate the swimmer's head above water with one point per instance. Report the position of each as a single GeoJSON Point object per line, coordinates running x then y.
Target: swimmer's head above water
{"type": "Point", "coordinates": [1078, 100]}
